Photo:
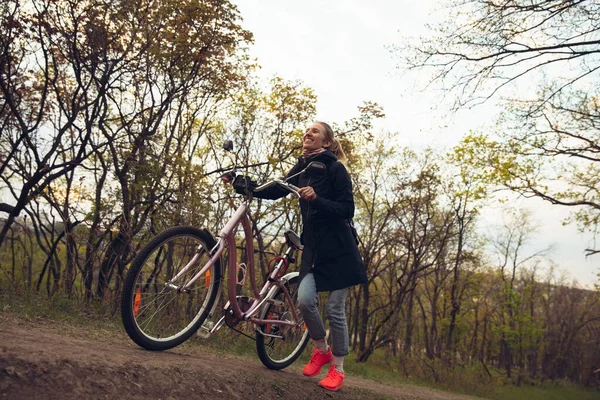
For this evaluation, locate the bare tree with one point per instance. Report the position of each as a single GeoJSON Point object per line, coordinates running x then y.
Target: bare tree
{"type": "Point", "coordinates": [483, 46]}
{"type": "Point", "coordinates": [550, 134]}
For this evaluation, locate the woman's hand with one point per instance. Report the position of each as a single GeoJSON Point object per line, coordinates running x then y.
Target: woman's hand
{"type": "Point", "coordinates": [228, 177]}
{"type": "Point", "coordinates": [307, 193]}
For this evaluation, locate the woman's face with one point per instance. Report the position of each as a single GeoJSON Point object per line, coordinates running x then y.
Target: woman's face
{"type": "Point", "coordinates": [314, 138]}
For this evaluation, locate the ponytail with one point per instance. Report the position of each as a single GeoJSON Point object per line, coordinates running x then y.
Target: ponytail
{"type": "Point", "coordinates": [337, 149]}
{"type": "Point", "coordinates": [336, 146]}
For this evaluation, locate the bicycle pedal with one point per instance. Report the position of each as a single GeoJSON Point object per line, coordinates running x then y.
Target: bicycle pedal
{"type": "Point", "coordinates": [204, 331]}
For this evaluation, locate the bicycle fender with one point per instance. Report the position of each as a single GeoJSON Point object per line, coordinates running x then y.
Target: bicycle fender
{"type": "Point", "coordinates": [214, 239]}
{"type": "Point", "coordinates": [284, 279]}
{"type": "Point", "coordinates": [290, 275]}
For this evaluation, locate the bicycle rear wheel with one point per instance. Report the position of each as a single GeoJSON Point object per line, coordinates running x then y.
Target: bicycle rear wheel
{"type": "Point", "coordinates": [158, 316]}
{"type": "Point", "coordinates": [287, 343]}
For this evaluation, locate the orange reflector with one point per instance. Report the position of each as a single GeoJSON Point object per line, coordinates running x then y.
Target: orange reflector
{"type": "Point", "coordinates": [268, 326]}
{"type": "Point", "coordinates": [137, 301]}
{"type": "Point", "coordinates": [207, 278]}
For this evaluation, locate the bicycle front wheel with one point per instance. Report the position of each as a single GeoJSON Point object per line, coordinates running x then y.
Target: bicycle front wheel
{"type": "Point", "coordinates": [158, 313]}
{"type": "Point", "coordinates": [286, 342]}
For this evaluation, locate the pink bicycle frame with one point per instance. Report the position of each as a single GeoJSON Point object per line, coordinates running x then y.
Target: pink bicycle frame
{"type": "Point", "coordinates": [227, 239]}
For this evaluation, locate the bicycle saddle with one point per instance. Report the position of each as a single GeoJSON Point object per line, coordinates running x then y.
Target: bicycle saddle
{"type": "Point", "coordinates": [292, 239]}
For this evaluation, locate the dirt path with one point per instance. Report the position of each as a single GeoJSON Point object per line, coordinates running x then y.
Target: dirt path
{"type": "Point", "coordinates": [48, 360]}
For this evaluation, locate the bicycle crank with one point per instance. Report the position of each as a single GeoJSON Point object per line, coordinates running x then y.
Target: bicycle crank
{"type": "Point", "coordinates": [244, 302]}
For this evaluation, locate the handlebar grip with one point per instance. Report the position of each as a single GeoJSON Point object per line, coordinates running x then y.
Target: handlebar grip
{"type": "Point", "coordinates": [262, 187]}
{"type": "Point", "coordinates": [286, 185]}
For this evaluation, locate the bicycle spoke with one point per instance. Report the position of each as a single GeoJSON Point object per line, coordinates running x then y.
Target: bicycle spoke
{"type": "Point", "coordinates": [161, 312]}
{"type": "Point", "coordinates": [148, 320]}
{"type": "Point", "coordinates": [279, 352]}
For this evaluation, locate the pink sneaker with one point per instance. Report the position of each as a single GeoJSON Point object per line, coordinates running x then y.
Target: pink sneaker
{"type": "Point", "coordinates": [317, 361]}
{"type": "Point", "coordinates": [334, 379]}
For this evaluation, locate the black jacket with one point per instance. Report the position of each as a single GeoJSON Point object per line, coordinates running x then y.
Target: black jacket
{"type": "Point", "coordinates": [330, 249]}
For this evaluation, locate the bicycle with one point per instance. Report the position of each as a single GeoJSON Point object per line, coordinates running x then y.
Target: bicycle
{"type": "Point", "coordinates": [173, 285]}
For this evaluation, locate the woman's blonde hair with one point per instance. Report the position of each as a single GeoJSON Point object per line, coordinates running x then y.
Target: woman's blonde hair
{"type": "Point", "coordinates": [336, 146]}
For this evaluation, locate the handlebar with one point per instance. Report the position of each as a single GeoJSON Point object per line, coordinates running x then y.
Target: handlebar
{"type": "Point", "coordinates": [293, 189]}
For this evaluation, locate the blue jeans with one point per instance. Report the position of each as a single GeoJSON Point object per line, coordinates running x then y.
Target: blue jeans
{"type": "Point", "coordinates": [336, 314]}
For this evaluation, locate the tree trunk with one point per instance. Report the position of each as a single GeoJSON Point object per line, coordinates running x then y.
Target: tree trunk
{"type": "Point", "coordinates": [364, 315]}
{"type": "Point", "coordinates": [111, 258]}
{"type": "Point", "coordinates": [409, 324]}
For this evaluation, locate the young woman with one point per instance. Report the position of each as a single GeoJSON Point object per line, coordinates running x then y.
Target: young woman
{"type": "Point", "coordinates": [330, 260]}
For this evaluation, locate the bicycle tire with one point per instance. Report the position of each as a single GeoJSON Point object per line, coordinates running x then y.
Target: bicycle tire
{"type": "Point", "coordinates": [295, 338]}
{"type": "Point", "coordinates": [155, 316]}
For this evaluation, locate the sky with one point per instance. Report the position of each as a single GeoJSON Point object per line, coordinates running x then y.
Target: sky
{"type": "Point", "coordinates": [341, 49]}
